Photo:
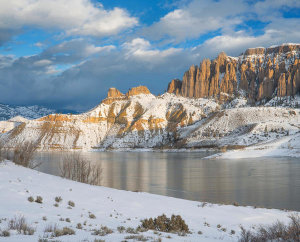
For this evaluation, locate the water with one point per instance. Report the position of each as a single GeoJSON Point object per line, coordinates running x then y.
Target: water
{"type": "Point", "coordinates": [262, 182]}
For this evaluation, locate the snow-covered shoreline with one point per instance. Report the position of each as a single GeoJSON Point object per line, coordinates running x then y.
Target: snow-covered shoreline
{"type": "Point", "coordinates": [285, 147]}
{"type": "Point", "coordinates": [114, 208]}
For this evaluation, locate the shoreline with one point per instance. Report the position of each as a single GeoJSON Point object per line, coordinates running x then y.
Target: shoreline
{"type": "Point", "coordinates": [114, 208]}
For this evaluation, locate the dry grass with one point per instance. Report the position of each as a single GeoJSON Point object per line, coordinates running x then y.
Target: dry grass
{"type": "Point", "coordinates": [276, 232]}
{"type": "Point", "coordinates": [77, 168]}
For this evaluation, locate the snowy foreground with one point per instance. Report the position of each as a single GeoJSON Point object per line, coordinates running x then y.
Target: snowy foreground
{"type": "Point", "coordinates": [113, 208]}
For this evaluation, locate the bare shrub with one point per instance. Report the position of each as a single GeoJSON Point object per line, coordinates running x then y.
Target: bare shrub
{"type": "Point", "coordinates": [71, 204]}
{"type": "Point", "coordinates": [102, 231]}
{"type": "Point", "coordinates": [50, 228]}
{"type": "Point", "coordinates": [23, 154]}
{"type": "Point", "coordinates": [131, 230]}
{"type": "Point", "coordinates": [162, 223]}
{"type": "Point", "coordinates": [275, 232]}
{"type": "Point", "coordinates": [58, 199]}
{"type": "Point", "coordinates": [39, 199]}
{"type": "Point", "coordinates": [3, 152]}
{"type": "Point", "coordinates": [20, 224]}
{"type": "Point", "coordinates": [30, 199]}
{"type": "Point", "coordinates": [121, 229]}
{"type": "Point", "coordinates": [60, 232]}
{"type": "Point", "coordinates": [79, 226]}
{"type": "Point", "coordinates": [137, 237]}
{"type": "Point", "coordinates": [4, 233]}
{"type": "Point", "coordinates": [77, 168]}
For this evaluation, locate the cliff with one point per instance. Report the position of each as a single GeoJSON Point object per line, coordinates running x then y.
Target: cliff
{"type": "Point", "coordinates": [259, 74]}
{"type": "Point", "coordinates": [209, 108]}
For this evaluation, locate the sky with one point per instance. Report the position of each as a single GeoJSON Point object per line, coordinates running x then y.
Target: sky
{"type": "Point", "coordinates": [68, 53]}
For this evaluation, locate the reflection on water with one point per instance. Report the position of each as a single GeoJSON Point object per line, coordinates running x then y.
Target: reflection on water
{"type": "Point", "coordinates": [264, 182]}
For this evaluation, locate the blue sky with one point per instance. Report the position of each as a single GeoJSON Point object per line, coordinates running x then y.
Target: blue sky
{"type": "Point", "coordinates": [67, 53]}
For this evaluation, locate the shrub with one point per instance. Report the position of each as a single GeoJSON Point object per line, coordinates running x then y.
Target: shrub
{"type": "Point", "coordinates": [50, 228]}
{"type": "Point", "coordinates": [92, 216]}
{"type": "Point", "coordinates": [164, 224]}
{"type": "Point", "coordinates": [77, 168]}
{"type": "Point", "coordinates": [60, 232]}
{"type": "Point", "coordinates": [44, 218]}
{"type": "Point", "coordinates": [121, 229]}
{"type": "Point", "coordinates": [30, 199]}
{"type": "Point", "coordinates": [58, 199]}
{"type": "Point", "coordinates": [79, 226]}
{"type": "Point", "coordinates": [137, 237]}
{"type": "Point", "coordinates": [56, 205]}
{"type": "Point", "coordinates": [39, 199]}
{"type": "Point", "coordinates": [131, 230]}
{"type": "Point", "coordinates": [20, 224]}
{"type": "Point", "coordinates": [23, 154]}
{"type": "Point", "coordinates": [68, 220]}
{"type": "Point", "coordinates": [102, 231]}
{"type": "Point", "coordinates": [5, 233]}
{"type": "Point", "coordinates": [232, 232]}
{"type": "Point", "coordinates": [71, 204]}
{"type": "Point", "coordinates": [275, 232]}
{"type": "Point", "coordinates": [3, 151]}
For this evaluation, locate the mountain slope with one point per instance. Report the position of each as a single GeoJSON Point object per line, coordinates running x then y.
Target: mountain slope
{"type": "Point", "coordinates": [224, 118]}
{"type": "Point", "coordinates": [29, 112]}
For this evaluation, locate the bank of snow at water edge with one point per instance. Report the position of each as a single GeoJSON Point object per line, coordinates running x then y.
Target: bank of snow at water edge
{"type": "Point", "coordinates": [113, 208]}
{"type": "Point", "coordinates": [287, 146]}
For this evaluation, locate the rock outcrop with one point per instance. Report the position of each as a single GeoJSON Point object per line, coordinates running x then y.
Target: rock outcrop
{"type": "Point", "coordinates": [259, 74]}
{"type": "Point", "coordinates": [175, 86]}
{"type": "Point", "coordinates": [137, 90]}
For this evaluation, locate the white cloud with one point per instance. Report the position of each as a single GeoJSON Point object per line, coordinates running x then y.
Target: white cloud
{"type": "Point", "coordinates": [197, 18]}
{"type": "Point", "coordinates": [75, 17]}
{"type": "Point", "coordinates": [142, 49]}
{"type": "Point", "coordinates": [43, 62]}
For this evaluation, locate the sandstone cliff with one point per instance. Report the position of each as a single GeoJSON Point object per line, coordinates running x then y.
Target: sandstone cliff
{"type": "Point", "coordinates": [258, 74]}
{"type": "Point", "coordinates": [201, 114]}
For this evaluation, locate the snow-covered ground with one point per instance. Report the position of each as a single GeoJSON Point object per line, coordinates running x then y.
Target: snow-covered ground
{"type": "Point", "coordinates": [113, 208]}
{"type": "Point", "coordinates": [286, 146]}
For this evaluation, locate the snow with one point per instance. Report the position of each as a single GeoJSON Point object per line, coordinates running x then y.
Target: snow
{"type": "Point", "coordinates": [29, 112]}
{"type": "Point", "coordinates": [286, 146]}
{"type": "Point", "coordinates": [114, 208]}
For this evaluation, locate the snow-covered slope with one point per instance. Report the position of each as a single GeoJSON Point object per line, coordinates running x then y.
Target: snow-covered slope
{"type": "Point", "coordinates": [29, 112]}
{"type": "Point", "coordinates": [114, 208]}
{"type": "Point", "coordinates": [142, 120]}
{"type": "Point", "coordinates": [167, 121]}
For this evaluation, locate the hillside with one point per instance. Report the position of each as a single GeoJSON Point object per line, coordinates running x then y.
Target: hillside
{"type": "Point", "coordinates": [114, 208]}
{"type": "Point", "coordinates": [232, 118]}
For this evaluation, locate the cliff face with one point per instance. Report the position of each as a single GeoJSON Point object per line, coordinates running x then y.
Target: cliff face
{"type": "Point", "coordinates": [139, 119]}
{"type": "Point", "coordinates": [259, 74]}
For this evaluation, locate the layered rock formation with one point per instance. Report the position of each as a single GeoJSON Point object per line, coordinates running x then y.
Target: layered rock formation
{"type": "Point", "coordinates": [139, 119]}
{"type": "Point", "coordinates": [259, 74]}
